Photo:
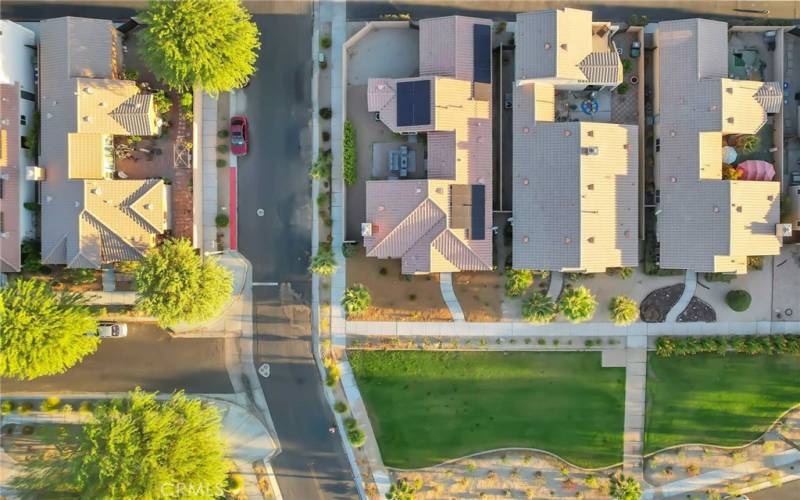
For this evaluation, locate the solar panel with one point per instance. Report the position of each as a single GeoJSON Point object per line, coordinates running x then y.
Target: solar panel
{"type": "Point", "coordinates": [478, 231]}
{"type": "Point", "coordinates": [414, 103]}
{"type": "Point", "coordinates": [482, 53]}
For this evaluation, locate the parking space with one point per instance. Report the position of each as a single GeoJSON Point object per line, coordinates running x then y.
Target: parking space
{"type": "Point", "coordinates": [149, 358]}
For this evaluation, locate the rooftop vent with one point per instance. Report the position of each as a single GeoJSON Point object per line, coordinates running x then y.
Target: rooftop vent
{"type": "Point", "coordinates": [590, 239]}
{"type": "Point", "coordinates": [567, 132]}
{"type": "Point", "coordinates": [525, 130]}
{"type": "Point", "coordinates": [366, 229]}
{"type": "Point", "coordinates": [97, 191]}
{"type": "Point", "coordinates": [590, 187]}
{"type": "Point", "coordinates": [567, 240]}
{"type": "Point", "coordinates": [525, 239]}
{"type": "Point", "coordinates": [147, 206]}
{"type": "Point", "coordinates": [525, 181]}
{"type": "Point", "coordinates": [88, 90]}
{"type": "Point", "coordinates": [87, 119]}
{"type": "Point", "coordinates": [730, 119]}
{"type": "Point", "coordinates": [547, 45]}
{"type": "Point", "coordinates": [564, 46]}
{"type": "Point", "coordinates": [381, 208]}
{"type": "Point", "coordinates": [590, 151]}
{"type": "Point", "coordinates": [590, 133]}
{"type": "Point", "coordinates": [729, 90]}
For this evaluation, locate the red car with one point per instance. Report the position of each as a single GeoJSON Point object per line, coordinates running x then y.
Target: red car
{"type": "Point", "coordinates": [240, 135]}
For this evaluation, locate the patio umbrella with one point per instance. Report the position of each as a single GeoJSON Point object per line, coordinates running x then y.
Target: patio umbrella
{"type": "Point", "coordinates": [756, 170]}
{"type": "Point", "coordinates": [728, 154]}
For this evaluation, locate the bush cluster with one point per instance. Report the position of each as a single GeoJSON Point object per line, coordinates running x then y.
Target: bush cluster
{"type": "Point", "coordinates": [349, 154]}
{"type": "Point", "coordinates": [745, 344]}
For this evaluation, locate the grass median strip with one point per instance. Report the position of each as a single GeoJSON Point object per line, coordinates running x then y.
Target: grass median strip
{"type": "Point", "coordinates": [722, 400]}
{"type": "Point", "coordinates": [428, 407]}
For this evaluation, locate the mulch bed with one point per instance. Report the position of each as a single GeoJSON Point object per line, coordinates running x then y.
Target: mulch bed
{"type": "Point", "coordinates": [656, 305]}
{"type": "Point", "coordinates": [697, 310]}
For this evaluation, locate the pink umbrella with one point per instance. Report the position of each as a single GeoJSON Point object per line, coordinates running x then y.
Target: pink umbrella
{"type": "Point", "coordinates": [756, 170]}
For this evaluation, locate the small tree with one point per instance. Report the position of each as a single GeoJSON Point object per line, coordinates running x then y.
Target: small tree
{"type": "Point", "coordinates": [625, 487]}
{"type": "Point", "coordinates": [624, 310]}
{"type": "Point", "coordinates": [730, 172]}
{"type": "Point", "coordinates": [349, 154]}
{"type": "Point", "coordinates": [738, 300]}
{"type": "Point", "coordinates": [321, 169]}
{"type": "Point", "coordinates": [356, 299]}
{"type": "Point", "coordinates": [222, 221]}
{"type": "Point", "coordinates": [540, 308]}
{"type": "Point", "coordinates": [517, 281]}
{"type": "Point", "coordinates": [323, 262]}
{"type": "Point", "coordinates": [401, 490]}
{"type": "Point", "coordinates": [132, 449]}
{"type": "Point", "coordinates": [43, 332]}
{"type": "Point", "coordinates": [183, 49]}
{"type": "Point", "coordinates": [175, 284]}
{"type": "Point", "coordinates": [747, 143]}
{"type": "Point", "coordinates": [578, 304]}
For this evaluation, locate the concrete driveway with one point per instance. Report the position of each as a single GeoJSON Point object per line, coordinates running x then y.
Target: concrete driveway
{"type": "Point", "coordinates": [148, 357]}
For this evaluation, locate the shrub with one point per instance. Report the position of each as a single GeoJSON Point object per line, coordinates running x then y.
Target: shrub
{"type": "Point", "coordinates": [333, 374]}
{"type": "Point", "coordinates": [540, 308]}
{"type": "Point", "coordinates": [50, 404]}
{"type": "Point", "coordinates": [67, 409]}
{"type": "Point", "coordinates": [350, 423]}
{"type": "Point", "coordinates": [222, 220]}
{"type": "Point", "coordinates": [223, 149]}
{"type": "Point", "coordinates": [323, 262]}
{"type": "Point", "coordinates": [32, 136]}
{"type": "Point", "coordinates": [357, 438]}
{"type": "Point", "coordinates": [349, 154]}
{"type": "Point", "coordinates": [356, 299]}
{"type": "Point", "coordinates": [693, 469]}
{"type": "Point", "coordinates": [234, 484]}
{"type": "Point", "coordinates": [162, 102]}
{"type": "Point", "coordinates": [755, 262]}
{"type": "Point", "coordinates": [340, 407]}
{"type": "Point", "coordinates": [622, 88]}
{"type": "Point", "coordinates": [622, 272]}
{"type": "Point", "coordinates": [32, 206]}
{"type": "Point", "coordinates": [24, 408]}
{"type": "Point", "coordinates": [222, 163]}
{"type": "Point", "coordinates": [134, 139]}
{"type": "Point", "coordinates": [625, 487]}
{"type": "Point", "coordinates": [730, 172]}
{"type": "Point", "coordinates": [591, 482]}
{"type": "Point", "coordinates": [501, 27]}
{"type": "Point", "coordinates": [624, 310]}
{"type": "Point", "coordinates": [325, 42]}
{"type": "Point", "coordinates": [746, 344]}
{"type": "Point", "coordinates": [7, 406]}
{"type": "Point", "coordinates": [223, 133]}
{"type": "Point", "coordinates": [187, 99]}
{"type": "Point", "coordinates": [627, 65]}
{"type": "Point", "coordinates": [517, 281]}
{"type": "Point", "coordinates": [86, 407]}
{"type": "Point", "coordinates": [383, 271]}
{"type": "Point", "coordinates": [129, 74]}
{"type": "Point", "coordinates": [348, 250]}
{"type": "Point", "coordinates": [722, 277]}
{"type": "Point", "coordinates": [738, 300]}
{"type": "Point", "coordinates": [325, 113]}
{"type": "Point", "coordinates": [578, 304]}
{"type": "Point", "coordinates": [747, 143]}
{"type": "Point", "coordinates": [321, 169]}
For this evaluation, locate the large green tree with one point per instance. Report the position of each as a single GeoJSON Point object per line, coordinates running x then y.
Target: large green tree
{"type": "Point", "coordinates": [175, 284]}
{"type": "Point", "coordinates": [138, 447]}
{"type": "Point", "coordinates": [210, 43]}
{"type": "Point", "coordinates": [42, 332]}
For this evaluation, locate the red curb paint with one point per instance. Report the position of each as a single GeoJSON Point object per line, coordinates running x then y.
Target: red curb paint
{"type": "Point", "coordinates": [233, 209]}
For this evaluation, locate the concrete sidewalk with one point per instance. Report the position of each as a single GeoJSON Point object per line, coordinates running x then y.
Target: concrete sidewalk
{"type": "Point", "coordinates": [449, 296]}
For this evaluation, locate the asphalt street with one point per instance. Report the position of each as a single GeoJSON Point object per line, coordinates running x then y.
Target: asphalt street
{"type": "Point", "coordinates": [149, 358]}
{"type": "Point", "coordinates": [274, 177]}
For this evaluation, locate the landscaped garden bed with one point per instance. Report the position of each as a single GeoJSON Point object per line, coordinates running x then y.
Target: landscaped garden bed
{"type": "Point", "coordinates": [429, 407]}
{"type": "Point", "coordinates": [707, 398]}
{"type": "Point", "coordinates": [480, 294]}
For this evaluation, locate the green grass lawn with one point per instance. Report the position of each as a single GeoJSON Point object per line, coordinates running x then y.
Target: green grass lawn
{"type": "Point", "coordinates": [724, 400]}
{"type": "Point", "coordinates": [428, 407]}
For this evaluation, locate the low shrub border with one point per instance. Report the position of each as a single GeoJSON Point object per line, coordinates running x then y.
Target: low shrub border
{"type": "Point", "coordinates": [746, 344]}
{"type": "Point", "coordinates": [349, 153]}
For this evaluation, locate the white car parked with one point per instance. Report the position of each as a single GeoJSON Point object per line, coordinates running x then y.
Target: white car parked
{"type": "Point", "coordinates": [111, 330]}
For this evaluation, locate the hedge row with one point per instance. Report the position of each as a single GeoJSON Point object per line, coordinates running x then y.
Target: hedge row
{"type": "Point", "coordinates": [745, 344]}
{"type": "Point", "coordinates": [349, 154]}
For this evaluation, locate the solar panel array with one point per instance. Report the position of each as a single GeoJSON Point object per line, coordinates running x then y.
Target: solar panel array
{"type": "Point", "coordinates": [478, 212]}
{"type": "Point", "coordinates": [482, 53]}
{"type": "Point", "coordinates": [414, 103]}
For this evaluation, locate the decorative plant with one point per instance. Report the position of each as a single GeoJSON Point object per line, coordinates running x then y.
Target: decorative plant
{"type": "Point", "coordinates": [356, 299]}
{"type": "Point", "coordinates": [349, 154]}
{"type": "Point", "coordinates": [517, 281]}
{"type": "Point", "coordinates": [540, 308]}
{"type": "Point", "coordinates": [578, 304]}
{"type": "Point", "coordinates": [747, 143]}
{"type": "Point", "coordinates": [622, 88]}
{"type": "Point", "coordinates": [321, 169]}
{"type": "Point", "coordinates": [323, 262]}
{"type": "Point", "coordinates": [325, 42]}
{"type": "Point", "coordinates": [730, 172]}
{"type": "Point", "coordinates": [738, 300]}
{"type": "Point", "coordinates": [624, 310]}
{"type": "Point", "coordinates": [625, 487]}
{"type": "Point", "coordinates": [222, 220]}
{"type": "Point", "coordinates": [325, 113]}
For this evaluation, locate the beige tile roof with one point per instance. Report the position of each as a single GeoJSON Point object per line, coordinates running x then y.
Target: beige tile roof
{"type": "Point", "coordinates": [707, 224]}
{"type": "Point", "coordinates": [10, 169]}
{"type": "Point", "coordinates": [82, 104]}
{"type": "Point", "coordinates": [411, 218]}
{"type": "Point", "coordinates": [575, 208]}
{"type": "Point", "coordinates": [561, 45]}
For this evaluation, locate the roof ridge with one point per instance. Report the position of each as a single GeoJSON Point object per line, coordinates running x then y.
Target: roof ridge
{"type": "Point", "coordinates": [132, 205]}
{"type": "Point", "coordinates": [105, 226]}
{"type": "Point", "coordinates": [427, 203]}
{"type": "Point", "coordinates": [45, 258]}
{"type": "Point", "coordinates": [436, 244]}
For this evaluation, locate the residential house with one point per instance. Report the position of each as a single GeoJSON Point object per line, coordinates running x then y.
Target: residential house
{"type": "Point", "coordinates": [575, 183]}
{"type": "Point", "coordinates": [90, 218]}
{"type": "Point", "coordinates": [17, 117]}
{"type": "Point", "coordinates": [442, 223]}
{"type": "Point", "coordinates": [706, 223]}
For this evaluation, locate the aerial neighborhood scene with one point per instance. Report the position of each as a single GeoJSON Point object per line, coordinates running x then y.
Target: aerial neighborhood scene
{"type": "Point", "coordinates": [399, 249]}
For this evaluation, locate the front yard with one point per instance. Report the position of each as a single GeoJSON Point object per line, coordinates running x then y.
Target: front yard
{"type": "Point", "coordinates": [722, 400]}
{"type": "Point", "coordinates": [428, 407]}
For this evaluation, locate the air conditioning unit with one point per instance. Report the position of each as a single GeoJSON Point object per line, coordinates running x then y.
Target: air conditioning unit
{"type": "Point", "coordinates": [34, 173]}
{"type": "Point", "coordinates": [366, 229]}
{"type": "Point", "coordinates": [783, 230]}
{"type": "Point", "coordinates": [592, 150]}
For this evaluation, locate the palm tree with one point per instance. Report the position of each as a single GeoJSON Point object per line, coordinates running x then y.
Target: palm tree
{"type": "Point", "coordinates": [324, 262]}
{"type": "Point", "coordinates": [401, 490]}
{"type": "Point", "coordinates": [540, 308]}
{"type": "Point", "coordinates": [578, 304]}
{"type": "Point", "coordinates": [747, 143]}
{"type": "Point", "coordinates": [517, 281]}
{"type": "Point", "coordinates": [356, 299]}
{"type": "Point", "coordinates": [624, 310]}
{"type": "Point", "coordinates": [625, 487]}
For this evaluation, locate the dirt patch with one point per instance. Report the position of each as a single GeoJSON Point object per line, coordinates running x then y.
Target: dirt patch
{"type": "Point", "coordinates": [697, 310]}
{"type": "Point", "coordinates": [395, 296]}
{"type": "Point", "coordinates": [61, 278]}
{"type": "Point", "coordinates": [480, 294]}
{"type": "Point", "coordinates": [656, 305]}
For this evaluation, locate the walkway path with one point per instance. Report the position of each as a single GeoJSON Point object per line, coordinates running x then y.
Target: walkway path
{"type": "Point", "coordinates": [449, 296]}
{"type": "Point", "coordinates": [109, 280]}
{"type": "Point", "coordinates": [592, 329]}
{"type": "Point", "coordinates": [688, 293]}
{"type": "Point", "coordinates": [635, 381]}
{"type": "Point", "coordinates": [209, 168]}
{"type": "Point", "coordinates": [556, 284]}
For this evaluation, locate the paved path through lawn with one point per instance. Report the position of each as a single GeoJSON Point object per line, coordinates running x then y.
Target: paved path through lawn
{"type": "Point", "coordinates": [449, 296]}
{"type": "Point", "coordinates": [635, 383]}
{"type": "Point", "coordinates": [688, 293]}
